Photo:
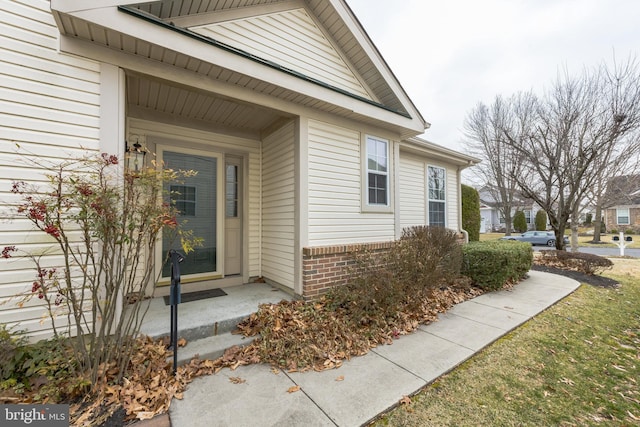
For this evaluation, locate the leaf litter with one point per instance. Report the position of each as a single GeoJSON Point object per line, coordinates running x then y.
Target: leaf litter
{"type": "Point", "coordinates": [290, 335]}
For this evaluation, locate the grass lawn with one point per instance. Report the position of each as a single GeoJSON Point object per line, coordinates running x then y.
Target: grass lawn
{"type": "Point", "coordinates": [583, 240]}
{"type": "Point", "coordinates": [576, 364]}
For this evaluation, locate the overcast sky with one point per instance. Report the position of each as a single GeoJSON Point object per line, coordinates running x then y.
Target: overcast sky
{"type": "Point", "coordinates": [451, 54]}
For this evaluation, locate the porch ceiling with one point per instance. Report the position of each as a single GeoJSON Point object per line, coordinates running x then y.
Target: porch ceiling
{"type": "Point", "coordinates": [148, 97]}
{"type": "Point", "coordinates": [120, 37]}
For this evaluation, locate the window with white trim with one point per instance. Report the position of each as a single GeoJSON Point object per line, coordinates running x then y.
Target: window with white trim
{"type": "Point", "coordinates": [622, 216]}
{"type": "Point", "coordinates": [527, 216]}
{"type": "Point", "coordinates": [436, 178]}
{"type": "Point", "coordinates": [377, 172]}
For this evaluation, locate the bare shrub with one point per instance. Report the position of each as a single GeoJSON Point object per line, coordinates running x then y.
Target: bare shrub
{"type": "Point", "coordinates": [426, 256]}
{"type": "Point", "coordinates": [383, 285]}
{"type": "Point", "coordinates": [103, 221]}
{"type": "Point", "coordinates": [577, 261]}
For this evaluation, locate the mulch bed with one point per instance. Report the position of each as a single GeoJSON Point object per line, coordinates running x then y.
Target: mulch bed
{"type": "Point", "coordinates": [593, 280]}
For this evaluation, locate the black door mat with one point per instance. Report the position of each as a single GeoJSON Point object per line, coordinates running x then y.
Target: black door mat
{"type": "Point", "coordinates": [195, 296]}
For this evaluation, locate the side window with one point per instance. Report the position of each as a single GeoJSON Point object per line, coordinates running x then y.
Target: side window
{"type": "Point", "coordinates": [377, 178]}
{"type": "Point", "coordinates": [231, 192]}
{"type": "Point", "coordinates": [436, 178]}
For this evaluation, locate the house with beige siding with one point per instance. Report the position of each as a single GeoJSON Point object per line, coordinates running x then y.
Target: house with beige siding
{"type": "Point", "coordinates": [304, 141]}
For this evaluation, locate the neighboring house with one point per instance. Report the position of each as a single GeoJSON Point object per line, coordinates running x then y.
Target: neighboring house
{"type": "Point", "coordinates": [305, 143]}
{"type": "Point", "coordinates": [491, 218]}
{"type": "Point", "coordinates": [623, 200]}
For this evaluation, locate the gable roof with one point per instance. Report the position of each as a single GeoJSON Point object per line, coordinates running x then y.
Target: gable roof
{"type": "Point", "coordinates": [438, 152]}
{"type": "Point", "coordinates": [223, 39]}
{"type": "Point", "coordinates": [623, 190]}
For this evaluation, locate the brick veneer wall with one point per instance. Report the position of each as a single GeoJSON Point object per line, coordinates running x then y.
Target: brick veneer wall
{"type": "Point", "coordinates": [612, 220]}
{"type": "Point", "coordinates": [324, 267]}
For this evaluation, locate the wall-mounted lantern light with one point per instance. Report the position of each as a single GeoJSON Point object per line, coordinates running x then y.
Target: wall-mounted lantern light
{"type": "Point", "coordinates": [134, 155]}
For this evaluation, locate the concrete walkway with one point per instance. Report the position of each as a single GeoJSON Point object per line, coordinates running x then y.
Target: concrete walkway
{"type": "Point", "coordinates": [369, 385]}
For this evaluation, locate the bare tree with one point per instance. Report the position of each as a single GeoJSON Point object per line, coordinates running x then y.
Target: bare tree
{"type": "Point", "coordinates": [500, 162]}
{"type": "Point", "coordinates": [569, 135]}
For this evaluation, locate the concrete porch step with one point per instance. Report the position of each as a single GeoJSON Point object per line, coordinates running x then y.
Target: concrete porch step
{"type": "Point", "coordinates": [212, 328]}
{"type": "Point", "coordinates": [207, 324]}
{"type": "Point", "coordinates": [210, 347]}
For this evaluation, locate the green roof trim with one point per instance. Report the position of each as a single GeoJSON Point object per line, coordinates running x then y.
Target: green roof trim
{"type": "Point", "coordinates": [155, 20]}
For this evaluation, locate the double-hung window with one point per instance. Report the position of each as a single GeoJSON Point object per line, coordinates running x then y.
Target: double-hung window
{"type": "Point", "coordinates": [436, 178]}
{"type": "Point", "coordinates": [377, 178]}
{"type": "Point", "coordinates": [622, 215]}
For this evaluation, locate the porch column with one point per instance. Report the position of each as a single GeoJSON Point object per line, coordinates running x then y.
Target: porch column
{"type": "Point", "coordinates": [301, 155]}
{"type": "Point", "coordinates": [112, 122]}
{"type": "Point", "coordinates": [112, 109]}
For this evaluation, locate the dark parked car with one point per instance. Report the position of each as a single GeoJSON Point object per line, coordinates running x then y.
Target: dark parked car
{"type": "Point", "coordinates": [537, 238]}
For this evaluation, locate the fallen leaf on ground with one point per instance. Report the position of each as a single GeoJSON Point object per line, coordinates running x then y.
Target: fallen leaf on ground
{"type": "Point", "coordinates": [293, 389]}
{"type": "Point", "coordinates": [340, 378]}
{"type": "Point", "coordinates": [145, 415]}
{"type": "Point", "coordinates": [237, 380]}
{"type": "Point", "coordinates": [406, 400]}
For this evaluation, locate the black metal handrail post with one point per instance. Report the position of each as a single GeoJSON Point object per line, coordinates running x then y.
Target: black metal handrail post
{"type": "Point", "coordinates": [174, 300]}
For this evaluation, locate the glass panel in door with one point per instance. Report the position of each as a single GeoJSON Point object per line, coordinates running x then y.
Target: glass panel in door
{"type": "Point", "coordinates": [196, 199]}
{"type": "Point", "coordinates": [233, 222]}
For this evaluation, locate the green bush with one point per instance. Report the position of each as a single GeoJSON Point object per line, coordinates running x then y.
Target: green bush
{"type": "Point", "coordinates": [588, 218]}
{"type": "Point", "coordinates": [471, 212]}
{"type": "Point", "coordinates": [541, 220]}
{"type": "Point", "coordinates": [49, 363]}
{"type": "Point", "coordinates": [493, 264]}
{"type": "Point", "coordinates": [519, 222]}
{"type": "Point", "coordinates": [12, 356]}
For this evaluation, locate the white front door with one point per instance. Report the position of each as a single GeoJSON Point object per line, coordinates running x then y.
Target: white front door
{"type": "Point", "coordinates": [233, 217]}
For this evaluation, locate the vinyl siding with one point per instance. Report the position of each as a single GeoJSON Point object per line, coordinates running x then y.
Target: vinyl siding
{"type": "Point", "coordinates": [290, 39]}
{"type": "Point", "coordinates": [413, 191]}
{"type": "Point", "coordinates": [335, 181]}
{"type": "Point", "coordinates": [49, 105]}
{"type": "Point", "coordinates": [452, 197]}
{"type": "Point", "coordinates": [278, 206]}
